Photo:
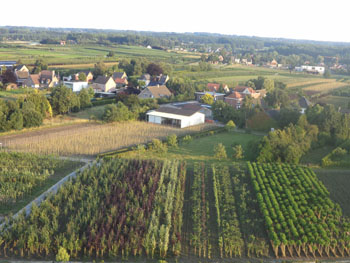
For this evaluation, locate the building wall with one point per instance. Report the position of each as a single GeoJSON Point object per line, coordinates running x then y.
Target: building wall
{"type": "Point", "coordinates": [195, 119]}
{"type": "Point", "coordinates": [145, 94]}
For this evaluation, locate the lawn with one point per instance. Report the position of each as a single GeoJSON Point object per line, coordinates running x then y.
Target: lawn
{"type": "Point", "coordinates": [315, 156]}
{"type": "Point", "coordinates": [202, 149]}
{"type": "Point", "coordinates": [96, 112]}
{"type": "Point", "coordinates": [65, 168]}
{"type": "Point", "coordinates": [337, 182]}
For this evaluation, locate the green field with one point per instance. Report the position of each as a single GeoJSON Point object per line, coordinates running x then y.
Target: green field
{"type": "Point", "coordinates": [337, 182]}
{"type": "Point", "coordinates": [202, 149]}
{"type": "Point", "coordinates": [337, 101]}
{"type": "Point", "coordinates": [80, 54]}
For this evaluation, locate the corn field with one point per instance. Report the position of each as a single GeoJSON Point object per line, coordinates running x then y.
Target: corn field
{"type": "Point", "coordinates": [90, 140]}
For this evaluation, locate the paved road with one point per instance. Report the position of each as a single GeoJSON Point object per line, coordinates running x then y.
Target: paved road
{"type": "Point", "coordinates": [52, 190]}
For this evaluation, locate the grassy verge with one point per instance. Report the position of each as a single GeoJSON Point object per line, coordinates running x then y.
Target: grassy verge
{"type": "Point", "coordinates": [66, 168]}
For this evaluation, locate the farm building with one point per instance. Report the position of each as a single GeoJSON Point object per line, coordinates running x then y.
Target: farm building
{"type": "Point", "coordinates": [311, 69]}
{"type": "Point", "coordinates": [155, 92]}
{"type": "Point", "coordinates": [176, 116]}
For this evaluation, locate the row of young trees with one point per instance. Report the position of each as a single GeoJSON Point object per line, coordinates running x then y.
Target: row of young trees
{"type": "Point", "coordinates": [201, 236]}
{"type": "Point", "coordinates": [116, 208]}
{"type": "Point", "coordinates": [230, 238]}
{"type": "Point", "coordinates": [300, 217]}
{"type": "Point", "coordinates": [21, 172]}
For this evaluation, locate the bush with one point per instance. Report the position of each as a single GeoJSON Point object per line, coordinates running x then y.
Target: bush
{"type": "Point", "coordinates": [62, 255]}
{"type": "Point", "coordinates": [220, 151]}
{"type": "Point", "coordinates": [159, 147]}
{"type": "Point", "coordinates": [187, 139]}
{"type": "Point", "coordinates": [117, 112]}
{"type": "Point", "coordinates": [31, 118]}
{"type": "Point", "coordinates": [172, 140]}
{"type": "Point", "coordinates": [230, 125]}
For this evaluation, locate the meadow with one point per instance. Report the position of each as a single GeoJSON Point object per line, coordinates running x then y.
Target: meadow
{"type": "Point", "coordinates": [202, 149]}
{"type": "Point", "coordinates": [90, 139]}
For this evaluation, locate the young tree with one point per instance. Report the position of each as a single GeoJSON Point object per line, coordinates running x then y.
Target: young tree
{"type": "Point", "coordinates": [207, 99]}
{"type": "Point", "coordinates": [172, 140]}
{"type": "Point", "coordinates": [84, 98]}
{"type": "Point", "coordinates": [220, 151]}
{"type": "Point", "coordinates": [237, 151]}
{"type": "Point", "coordinates": [63, 100]}
{"type": "Point", "coordinates": [159, 147]}
{"type": "Point", "coordinates": [82, 76]}
{"type": "Point", "coordinates": [62, 255]}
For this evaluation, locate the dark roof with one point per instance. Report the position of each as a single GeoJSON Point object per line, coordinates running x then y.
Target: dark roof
{"type": "Point", "coordinates": [102, 79]}
{"type": "Point", "coordinates": [118, 75]}
{"type": "Point", "coordinates": [154, 83]}
{"type": "Point", "coordinates": [304, 103]}
{"type": "Point", "coordinates": [18, 67]}
{"type": "Point", "coordinates": [145, 76]}
{"type": "Point", "coordinates": [177, 111]}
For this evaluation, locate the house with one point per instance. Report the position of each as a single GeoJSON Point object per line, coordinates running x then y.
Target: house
{"type": "Point", "coordinates": [21, 76]}
{"type": "Point", "coordinates": [21, 68]}
{"type": "Point", "coordinates": [159, 80]}
{"type": "Point", "coordinates": [48, 78]}
{"type": "Point", "coordinates": [155, 92]}
{"type": "Point", "coordinates": [103, 84]}
{"type": "Point", "coordinates": [244, 91]}
{"type": "Point", "coordinates": [273, 64]}
{"type": "Point", "coordinates": [120, 78]}
{"type": "Point", "coordinates": [32, 81]}
{"type": "Point", "coordinates": [146, 78]}
{"type": "Point", "coordinates": [193, 105]}
{"type": "Point", "coordinates": [214, 87]}
{"type": "Point", "coordinates": [88, 74]}
{"type": "Point", "coordinates": [76, 86]}
{"type": "Point", "coordinates": [235, 100]}
{"type": "Point", "coordinates": [304, 103]}
{"type": "Point", "coordinates": [176, 117]}
{"type": "Point", "coordinates": [217, 96]}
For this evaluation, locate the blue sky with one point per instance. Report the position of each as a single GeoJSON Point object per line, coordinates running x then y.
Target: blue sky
{"type": "Point", "coordinates": [306, 19]}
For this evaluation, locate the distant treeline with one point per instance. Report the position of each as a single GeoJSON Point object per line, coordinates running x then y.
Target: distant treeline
{"type": "Point", "coordinates": [202, 42]}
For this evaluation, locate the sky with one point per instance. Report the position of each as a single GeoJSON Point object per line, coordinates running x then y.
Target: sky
{"type": "Point", "coordinates": [298, 19]}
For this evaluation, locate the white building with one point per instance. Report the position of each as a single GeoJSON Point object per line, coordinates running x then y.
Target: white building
{"type": "Point", "coordinates": [311, 69]}
{"type": "Point", "coordinates": [177, 117]}
{"type": "Point", "coordinates": [76, 86]}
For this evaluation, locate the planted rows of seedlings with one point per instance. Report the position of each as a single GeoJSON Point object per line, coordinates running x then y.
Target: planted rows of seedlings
{"type": "Point", "coordinates": [21, 172]}
{"type": "Point", "coordinates": [117, 208]}
{"type": "Point", "coordinates": [200, 238]}
{"type": "Point", "coordinates": [300, 218]}
{"type": "Point", "coordinates": [230, 238]}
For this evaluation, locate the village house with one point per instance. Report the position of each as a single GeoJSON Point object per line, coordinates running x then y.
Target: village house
{"type": "Point", "coordinates": [155, 92]}
{"type": "Point", "coordinates": [311, 69]}
{"type": "Point", "coordinates": [121, 79]}
{"type": "Point", "coordinates": [48, 79]}
{"type": "Point", "coordinates": [179, 117]}
{"type": "Point", "coordinates": [159, 80]}
{"type": "Point", "coordinates": [21, 73]}
{"type": "Point", "coordinates": [103, 84]}
{"type": "Point", "coordinates": [88, 74]}
{"type": "Point", "coordinates": [146, 78]}
{"type": "Point", "coordinates": [33, 81]}
{"type": "Point", "coordinates": [235, 100]}
{"type": "Point", "coordinates": [214, 87]}
{"type": "Point", "coordinates": [244, 91]}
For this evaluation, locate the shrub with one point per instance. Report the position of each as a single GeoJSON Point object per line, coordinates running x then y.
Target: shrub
{"type": "Point", "coordinates": [172, 140]}
{"type": "Point", "coordinates": [159, 147]}
{"type": "Point", "coordinates": [230, 125]}
{"type": "Point", "coordinates": [220, 151]}
{"type": "Point", "coordinates": [62, 255]}
{"type": "Point", "coordinates": [117, 112]}
{"type": "Point", "coordinates": [31, 118]}
{"type": "Point", "coordinates": [187, 139]}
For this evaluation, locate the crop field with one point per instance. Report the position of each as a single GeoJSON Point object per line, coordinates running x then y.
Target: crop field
{"type": "Point", "coordinates": [325, 87]}
{"type": "Point", "coordinates": [23, 176]}
{"type": "Point", "coordinates": [121, 208]}
{"type": "Point", "coordinates": [90, 139]}
{"type": "Point", "coordinates": [337, 101]}
{"type": "Point", "coordinates": [83, 54]}
{"type": "Point", "coordinates": [300, 217]}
